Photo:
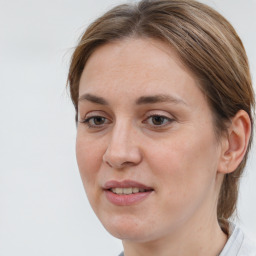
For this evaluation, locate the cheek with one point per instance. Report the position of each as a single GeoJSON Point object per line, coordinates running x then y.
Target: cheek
{"type": "Point", "coordinates": [186, 165]}
{"type": "Point", "coordinates": [89, 155]}
{"type": "Point", "coordinates": [89, 159]}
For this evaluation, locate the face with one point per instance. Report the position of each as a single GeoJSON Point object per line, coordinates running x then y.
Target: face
{"type": "Point", "coordinates": [146, 147]}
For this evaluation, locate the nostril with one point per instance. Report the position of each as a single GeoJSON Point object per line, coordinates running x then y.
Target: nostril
{"type": "Point", "coordinates": [120, 157]}
{"type": "Point", "coordinates": [118, 165]}
{"type": "Point", "coordinates": [127, 163]}
{"type": "Point", "coordinates": [108, 163]}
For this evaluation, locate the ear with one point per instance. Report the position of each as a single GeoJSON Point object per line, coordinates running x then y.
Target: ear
{"type": "Point", "coordinates": [234, 145]}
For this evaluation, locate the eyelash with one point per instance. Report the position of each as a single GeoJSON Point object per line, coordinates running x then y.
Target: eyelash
{"type": "Point", "coordinates": [165, 119]}
{"type": "Point", "coordinates": [87, 121]}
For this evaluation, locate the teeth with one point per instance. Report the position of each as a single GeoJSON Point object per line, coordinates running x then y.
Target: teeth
{"type": "Point", "coordinates": [118, 191]}
{"type": "Point", "coordinates": [135, 190]}
{"type": "Point", "coordinates": [127, 191]}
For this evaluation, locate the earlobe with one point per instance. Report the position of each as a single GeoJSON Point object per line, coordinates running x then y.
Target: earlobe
{"type": "Point", "coordinates": [235, 144]}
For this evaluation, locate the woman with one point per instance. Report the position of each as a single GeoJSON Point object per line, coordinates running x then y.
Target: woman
{"type": "Point", "coordinates": [164, 101]}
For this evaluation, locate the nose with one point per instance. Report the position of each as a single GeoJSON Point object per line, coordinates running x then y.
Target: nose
{"type": "Point", "coordinates": [122, 149]}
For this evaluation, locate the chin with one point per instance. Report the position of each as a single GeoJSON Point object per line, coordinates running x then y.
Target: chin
{"type": "Point", "coordinates": [131, 235]}
{"type": "Point", "coordinates": [121, 226]}
{"type": "Point", "coordinates": [128, 228]}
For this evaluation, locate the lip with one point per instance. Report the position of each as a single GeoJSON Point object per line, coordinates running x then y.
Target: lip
{"type": "Point", "coordinates": [125, 184]}
{"type": "Point", "coordinates": [126, 200]}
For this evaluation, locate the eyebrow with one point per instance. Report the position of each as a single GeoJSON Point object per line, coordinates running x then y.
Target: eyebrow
{"type": "Point", "coordinates": [93, 98]}
{"type": "Point", "coordinates": [140, 101]}
{"type": "Point", "coordinates": [159, 98]}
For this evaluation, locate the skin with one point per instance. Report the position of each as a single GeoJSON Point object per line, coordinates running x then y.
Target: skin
{"type": "Point", "coordinates": [177, 155]}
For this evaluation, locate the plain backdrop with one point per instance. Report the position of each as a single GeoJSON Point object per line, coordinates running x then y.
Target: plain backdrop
{"type": "Point", "coordinates": [43, 207]}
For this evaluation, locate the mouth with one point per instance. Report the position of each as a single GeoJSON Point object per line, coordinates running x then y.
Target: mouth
{"type": "Point", "coordinates": [126, 192]}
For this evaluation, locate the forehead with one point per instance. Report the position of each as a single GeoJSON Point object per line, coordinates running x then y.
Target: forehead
{"type": "Point", "coordinates": [138, 67]}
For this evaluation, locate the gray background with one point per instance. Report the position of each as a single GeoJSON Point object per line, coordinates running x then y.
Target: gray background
{"type": "Point", "coordinates": [43, 208]}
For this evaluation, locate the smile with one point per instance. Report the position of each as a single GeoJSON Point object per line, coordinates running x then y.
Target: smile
{"type": "Point", "coordinates": [127, 191]}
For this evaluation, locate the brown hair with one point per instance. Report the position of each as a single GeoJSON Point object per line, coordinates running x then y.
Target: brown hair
{"type": "Point", "coordinates": [206, 43]}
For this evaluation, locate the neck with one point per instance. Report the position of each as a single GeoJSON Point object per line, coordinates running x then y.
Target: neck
{"type": "Point", "coordinates": [190, 240]}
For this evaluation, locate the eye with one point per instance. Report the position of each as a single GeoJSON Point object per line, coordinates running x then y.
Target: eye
{"type": "Point", "coordinates": [95, 121]}
{"type": "Point", "coordinates": [158, 120]}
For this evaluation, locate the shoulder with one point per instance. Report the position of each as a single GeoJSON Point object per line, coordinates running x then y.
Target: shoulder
{"type": "Point", "coordinates": [238, 244]}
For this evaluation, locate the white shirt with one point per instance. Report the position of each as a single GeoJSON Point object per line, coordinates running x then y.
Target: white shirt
{"type": "Point", "coordinates": [238, 243]}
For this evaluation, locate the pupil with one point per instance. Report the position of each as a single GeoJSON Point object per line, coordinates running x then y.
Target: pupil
{"type": "Point", "coordinates": [158, 120]}
{"type": "Point", "coordinates": [98, 120]}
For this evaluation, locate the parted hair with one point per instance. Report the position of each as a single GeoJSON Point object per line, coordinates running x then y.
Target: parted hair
{"type": "Point", "coordinates": [206, 43]}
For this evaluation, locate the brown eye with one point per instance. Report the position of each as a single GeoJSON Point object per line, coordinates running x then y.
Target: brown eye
{"type": "Point", "coordinates": [158, 120]}
{"type": "Point", "coordinates": [98, 120]}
